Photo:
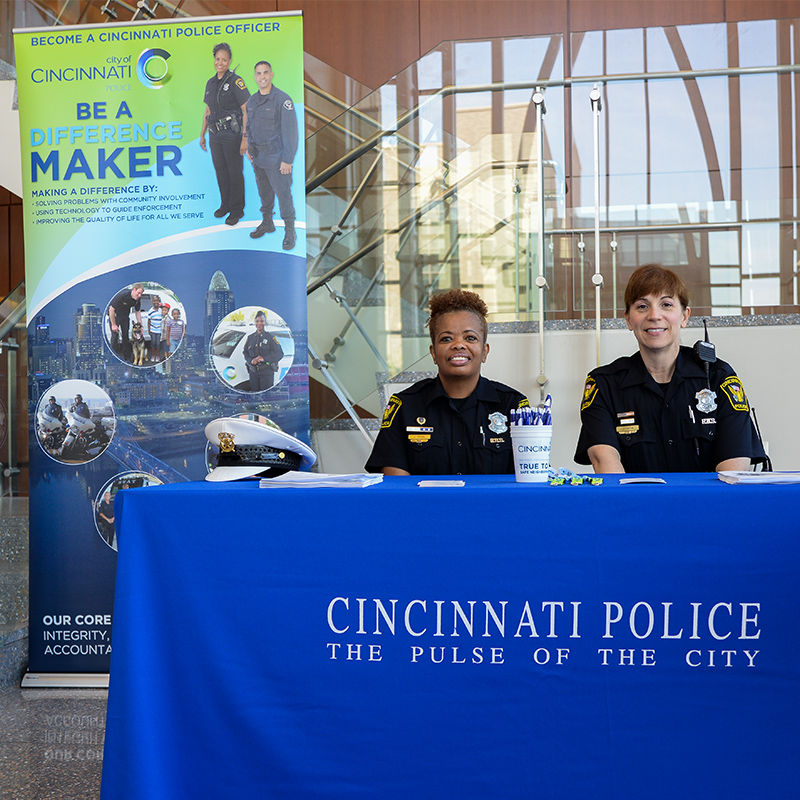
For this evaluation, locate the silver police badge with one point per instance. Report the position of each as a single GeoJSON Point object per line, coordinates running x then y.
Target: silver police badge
{"type": "Point", "coordinates": [498, 423]}
{"type": "Point", "coordinates": [706, 401]}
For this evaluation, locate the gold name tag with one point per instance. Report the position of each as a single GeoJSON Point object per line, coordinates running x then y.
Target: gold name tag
{"type": "Point", "coordinates": [627, 429]}
{"type": "Point", "coordinates": [419, 438]}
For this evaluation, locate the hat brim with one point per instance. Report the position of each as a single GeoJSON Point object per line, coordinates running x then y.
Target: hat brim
{"type": "Point", "coordinates": [234, 473]}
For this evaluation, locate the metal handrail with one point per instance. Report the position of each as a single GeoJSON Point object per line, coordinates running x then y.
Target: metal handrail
{"type": "Point", "coordinates": [339, 391]}
{"type": "Point", "coordinates": [339, 340]}
{"type": "Point", "coordinates": [409, 220]}
{"type": "Point", "coordinates": [336, 229]}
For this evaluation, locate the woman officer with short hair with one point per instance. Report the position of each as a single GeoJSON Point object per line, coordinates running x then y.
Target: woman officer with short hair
{"type": "Point", "coordinates": [225, 117]}
{"type": "Point", "coordinates": [659, 410]}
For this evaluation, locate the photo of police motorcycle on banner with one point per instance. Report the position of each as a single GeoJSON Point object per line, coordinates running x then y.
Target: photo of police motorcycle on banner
{"type": "Point", "coordinates": [165, 240]}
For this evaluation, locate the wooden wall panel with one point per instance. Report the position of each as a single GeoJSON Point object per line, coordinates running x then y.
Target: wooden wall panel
{"type": "Point", "coordinates": [740, 10]}
{"type": "Point", "coordinates": [592, 15]}
{"type": "Point", "coordinates": [369, 40]}
{"type": "Point", "coordinates": [200, 8]}
{"type": "Point", "coordinates": [447, 20]}
{"type": "Point", "coordinates": [12, 243]}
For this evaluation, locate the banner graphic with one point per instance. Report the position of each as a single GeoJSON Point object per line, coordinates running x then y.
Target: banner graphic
{"type": "Point", "coordinates": [164, 211]}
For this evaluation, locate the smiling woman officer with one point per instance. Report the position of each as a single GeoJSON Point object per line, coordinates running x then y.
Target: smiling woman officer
{"type": "Point", "coordinates": [225, 118]}
{"type": "Point", "coordinates": [456, 423]}
{"type": "Point", "coordinates": [658, 410]}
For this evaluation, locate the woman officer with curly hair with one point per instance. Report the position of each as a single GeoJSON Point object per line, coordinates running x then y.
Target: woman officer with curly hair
{"type": "Point", "coordinates": [225, 119]}
{"type": "Point", "coordinates": [456, 423]}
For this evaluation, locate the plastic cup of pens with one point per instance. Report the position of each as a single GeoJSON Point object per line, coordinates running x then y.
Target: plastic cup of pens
{"type": "Point", "coordinates": [531, 434]}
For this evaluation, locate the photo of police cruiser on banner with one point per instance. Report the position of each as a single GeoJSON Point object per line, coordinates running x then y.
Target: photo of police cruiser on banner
{"type": "Point", "coordinates": [164, 210]}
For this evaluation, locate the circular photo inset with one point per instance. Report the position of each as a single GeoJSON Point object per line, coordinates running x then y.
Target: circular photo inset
{"type": "Point", "coordinates": [104, 502]}
{"type": "Point", "coordinates": [252, 349]}
{"type": "Point", "coordinates": [75, 422]}
{"type": "Point", "coordinates": [144, 324]}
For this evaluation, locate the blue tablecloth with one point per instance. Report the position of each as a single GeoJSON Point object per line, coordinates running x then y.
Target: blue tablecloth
{"type": "Point", "coordinates": [499, 640]}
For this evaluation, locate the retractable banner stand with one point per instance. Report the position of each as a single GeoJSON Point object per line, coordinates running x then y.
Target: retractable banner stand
{"type": "Point", "coordinates": [156, 302]}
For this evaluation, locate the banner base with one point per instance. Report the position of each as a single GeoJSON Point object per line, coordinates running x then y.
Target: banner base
{"type": "Point", "coordinates": [72, 680]}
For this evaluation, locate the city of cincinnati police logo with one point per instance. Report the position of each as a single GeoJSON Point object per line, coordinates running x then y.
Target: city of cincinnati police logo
{"type": "Point", "coordinates": [391, 409]}
{"type": "Point", "coordinates": [240, 83]}
{"type": "Point", "coordinates": [498, 422]}
{"type": "Point", "coordinates": [288, 105]}
{"type": "Point", "coordinates": [706, 401]}
{"type": "Point", "coordinates": [735, 391]}
{"type": "Point", "coordinates": [589, 392]}
{"type": "Point", "coordinates": [152, 69]}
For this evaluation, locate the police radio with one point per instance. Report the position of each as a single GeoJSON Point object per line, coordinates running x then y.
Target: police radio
{"type": "Point", "coordinates": [706, 352]}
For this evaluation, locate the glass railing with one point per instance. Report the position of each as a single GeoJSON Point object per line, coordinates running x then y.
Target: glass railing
{"type": "Point", "coordinates": [13, 395]}
{"type": "Point", "coordinates": [425, 194]}
{"type": "Point", "coordinates": [443, 177]}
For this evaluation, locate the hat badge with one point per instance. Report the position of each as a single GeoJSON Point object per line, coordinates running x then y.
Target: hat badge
{"type": "Point", "coordinates": [226, 442]}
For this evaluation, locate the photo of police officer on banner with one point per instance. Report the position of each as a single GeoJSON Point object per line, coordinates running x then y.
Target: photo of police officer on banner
{"type": "Point", "coordinates": [225, 117]}
{"type": "Point", "coordinates": [272, 137]}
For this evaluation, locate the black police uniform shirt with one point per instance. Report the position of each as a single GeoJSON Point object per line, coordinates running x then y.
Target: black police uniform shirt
{"type": "Point", "coordinates": [225, 97]}
{"type": "Point", "coordinates": [272, 135]}
{"type": "Point", "coordinates": [262, 344]}
{"type": "Point", "coordinates": [681, 427]}
{"type": "Point", "coordinates": [123, 303]}
{"type": "Point", "coordinates": [425, 432]}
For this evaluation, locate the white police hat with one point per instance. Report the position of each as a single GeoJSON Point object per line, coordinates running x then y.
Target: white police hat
{"type": "Point", "coordinates": [250, 444]}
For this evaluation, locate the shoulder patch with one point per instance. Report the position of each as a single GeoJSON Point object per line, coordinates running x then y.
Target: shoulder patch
{"type": "Point", "coordinates": [240, 83]}
{"type": "Point", "coordinates": [391, 409]}
{"type": "Point", "coordinates": [524, 403]}
{"type": "Point", "coordinates": [288, 104]}
{"type": "Point", "coordinates": [589, 392]}
{"type": "Point", "coordinates": [734, 391]}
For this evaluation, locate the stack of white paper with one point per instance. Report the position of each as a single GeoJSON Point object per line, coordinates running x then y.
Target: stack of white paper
{"type": "Point", "coordinates": [759, 477]}
{"type": "Point", "coordinates": [312, 479]}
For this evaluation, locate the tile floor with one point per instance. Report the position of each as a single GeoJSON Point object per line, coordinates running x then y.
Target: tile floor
{"type": "Point", "coordinates": [51, 743]}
